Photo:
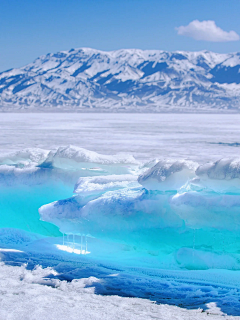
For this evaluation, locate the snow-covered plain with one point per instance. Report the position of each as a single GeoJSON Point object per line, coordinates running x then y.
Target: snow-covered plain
{"type": "Point", "coordinates": [197, 137]}
{"type": "Point", "coordinates": [159, 223]}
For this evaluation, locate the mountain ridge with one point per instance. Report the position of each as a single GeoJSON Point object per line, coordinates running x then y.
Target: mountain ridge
{"type": "Point", "coordinates": [131, 80]}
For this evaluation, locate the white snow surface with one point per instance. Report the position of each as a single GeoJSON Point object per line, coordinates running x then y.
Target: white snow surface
{"type": "Point", "coordinates": [196, 137]}
{"type": "Point", "coordinates": [28, 295]}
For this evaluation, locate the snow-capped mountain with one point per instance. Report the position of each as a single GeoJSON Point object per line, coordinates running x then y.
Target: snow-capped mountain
{"type": "Point", "coordinates": [128, 79]}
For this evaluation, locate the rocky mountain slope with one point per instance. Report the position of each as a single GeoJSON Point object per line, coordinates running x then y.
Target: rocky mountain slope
{"type": "Point", "coordinates": [124, 80]}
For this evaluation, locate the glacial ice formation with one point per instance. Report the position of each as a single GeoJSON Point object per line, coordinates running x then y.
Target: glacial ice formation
{"type": "Point", "coordinates": [32, 177]}
{"type": "Point", "coordinates": [170, 212]}
{"type": "Point", "coordinates": [182, 214]}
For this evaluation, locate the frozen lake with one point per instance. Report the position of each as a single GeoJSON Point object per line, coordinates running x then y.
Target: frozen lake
{"type": "Point", "coordinates": [199, 137]}
{"type": "Point", "coordinates": [172, 240]}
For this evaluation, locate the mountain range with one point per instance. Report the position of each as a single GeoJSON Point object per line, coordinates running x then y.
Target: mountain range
{"type": "Point", "coordinates": [124, 80]}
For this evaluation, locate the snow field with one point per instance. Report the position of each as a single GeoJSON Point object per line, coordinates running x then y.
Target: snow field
{"type": "Point", "coordinates": [26, 295]}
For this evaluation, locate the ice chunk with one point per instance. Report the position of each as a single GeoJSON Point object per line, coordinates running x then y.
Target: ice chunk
{"type": "Point", "coordinates": [75, 158]}
{"type": "Point", "coordinates": [11, 175]}
{"type": "Point", "coordinates": [119, 215]}
{"type": "Point", "coordinates": [149, 164]}
{"type": "Point", "coordinates": [33, 176]}
{"type": "Point", "coordinates": [208, 210]}
{"type": "Point", "coordinates": [33, 166]}
{"type": "Point", "coordinates": [156, 223]}
{"type": "Point", "coordinates": [25, 157]}
{"type": "Point", "coordinates": [224, 169]}
{"type": "Point", "coordinates": [101, 184]}
{"type": "Point", "coordinates": [168, 175]}
{"type": "Point", "coordinates": [221, 176]}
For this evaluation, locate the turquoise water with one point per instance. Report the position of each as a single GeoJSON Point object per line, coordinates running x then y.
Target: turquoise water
{"type": "Point", "coordinates": [19, 206]}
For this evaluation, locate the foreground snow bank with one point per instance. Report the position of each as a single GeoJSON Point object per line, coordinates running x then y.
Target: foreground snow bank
{"type": "Point", "coordinates": [35, 298]}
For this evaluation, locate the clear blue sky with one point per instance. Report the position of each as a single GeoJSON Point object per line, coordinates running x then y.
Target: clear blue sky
{"type": "Point", "coordinates": [30, 28]}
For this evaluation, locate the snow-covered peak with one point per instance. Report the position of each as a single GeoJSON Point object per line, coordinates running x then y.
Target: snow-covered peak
{"type": "Point", "coordinates": [124, 79]}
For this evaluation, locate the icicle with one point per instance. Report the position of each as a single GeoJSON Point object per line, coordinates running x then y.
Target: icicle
{"type": "Point", "coordinates": [73, 242]}
{"type": "Point", "coordinates": [81, 244]}
{"type": "Point", "coordinates": [193, 254]}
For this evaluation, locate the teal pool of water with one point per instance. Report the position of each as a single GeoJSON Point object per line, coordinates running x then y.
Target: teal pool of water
{"type": "Point", "coordinates": [19, 206]}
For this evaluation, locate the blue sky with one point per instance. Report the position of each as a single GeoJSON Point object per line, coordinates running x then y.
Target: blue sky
{"type": "Point", "coordinates": [32, 28]}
